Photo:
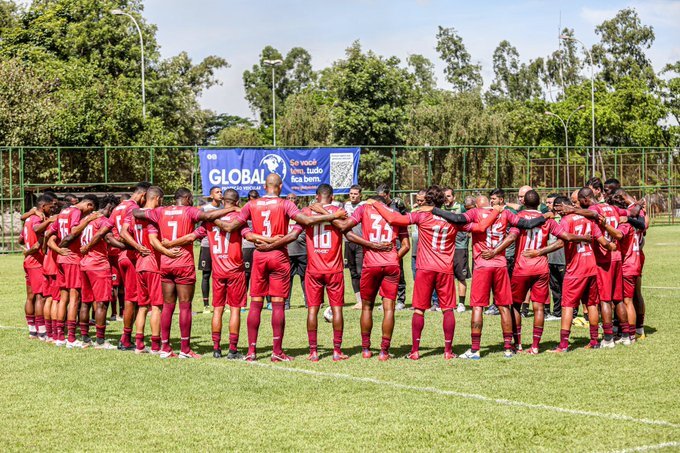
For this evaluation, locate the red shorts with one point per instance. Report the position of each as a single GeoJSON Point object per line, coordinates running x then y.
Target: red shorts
{"type": "Point", "coordinates": [68, 276]}
{"type": "Point", "coordinates": [230, 290]}
{"type": "Point", "coordinates": [185, 275]}
{"type": "Point", "coordinates": [629, 284]}
{"type": "Point", "coordinates": [610, 282]}
{"type": "Point", "coordinates": [149, 289]}
{"type": "Point", "coordinates": [96, 286]}
{"type": "Point", "coordinates": [580, 290]}
{"type": "Point", "coordinates": [129, 277]}
{"type": "Point", "coordinates": [384, 279]}
{"type": "Point", "coordinates": [335, 287]}
{"type": "Point", "coordinates": [428, 281]}
{"type": "Point", "coordinates": [115, 271]}
{"type": "Point", "coordinates": [270, 275]}
{"type": "Point", "coordinates": [50, 287]}
{"type": "Point", "coordinates": [538, 284]}
{"type": "Point", "coordinates": [35, 279]}
{"type": "Point", "coordinates": [486, 279]}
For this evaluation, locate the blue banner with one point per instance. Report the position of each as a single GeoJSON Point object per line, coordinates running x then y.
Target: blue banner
{"type": "Point", "coordinates": [302, 170]}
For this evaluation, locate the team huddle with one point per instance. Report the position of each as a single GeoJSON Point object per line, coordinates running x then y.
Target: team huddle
{"type": "Point", "coordinates": [77, 252]}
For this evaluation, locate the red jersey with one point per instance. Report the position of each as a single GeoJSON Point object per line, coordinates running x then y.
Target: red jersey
{"type": "Point", "coordinates": [533, 239]}
{"type": "Point", "coordinates": [270, 215]}
{"type": "Point", "coordinates": [117, 219]}
{"type": "Point", "coordinates": [374, 228]}
{"type": "Point", "coordinates": [66, 221]}
{"type": "Point", "coordinates": [30, 239]}
{"type": "Point", "coordinates": [630, 249]}
{"type": "Point", "coordinates": [97, 258]}
{"type": "Point", "coordinates": [142, 228]}
{"type": "Point", "coordinates": [174, 222]}
{"type": "Point", "coordinates": [436, 242]}
{"type": "Point", "coordinates": [49, 263]}
{"type": "Point", "coordinates": [579, 255]}
{"type": "Point", "coordinates": [324, 246]}
{"type": "Point", "coordinates": [225, 248]}
{"type": "Point", "coordinates": [491, 237]}
{"type": "Point", "coordinates": [611, 215]}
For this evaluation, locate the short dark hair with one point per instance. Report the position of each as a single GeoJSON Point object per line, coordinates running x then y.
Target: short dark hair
{"type": "Point", "coordinates": [378, 198]}
{"type": "Point", "coordinates": [356, 187]}
{"type": "Point", "coordinates": [435, 196]}
{"type": "Point", "coordinates": [154, 191]}
{"type": "Point", "coordinates": [553, 195]}
{"type": "Point", "coordinates": [51, 194]}
{"type": "Point", "coordinates": [585, 192]}
{"type": "Point", "coordinates": [44, 199]}
{"type": "Point", "coordinates": [445, 189]}
{"type": "Point", "coordinates": [617, 199]}
{"type": "Point", "coordinates": [382, 188]}
{"type": "Point", "coordinates": [253, 195]}
{"type": "Point", "coordinates": [69, 196]}
{"type": "Point", "coordinates": [109, 199]}
{"type": "Point", "coordinates": [532, 199]}
{"type": "Point", "coordinates": [91, 198]}
{"type": "Point", "coordinates": [182, 192]}
{"type": "Point", "coordinates": [213, 188]}
{"type": "Point", "coordinates": [142, 187]}
{"type": "Point", "coordinates": [561, 199]}
{"type": "Point", "coordinates": [595, 183]}
{"type": "Point", "coordinates": [231, 194]}
{"type": "Point", "coordinates": [498, 192]}
{"type": "Point", "coordinates": [124, 196]}
{"type": "Point", "coordinates": [324, 190]}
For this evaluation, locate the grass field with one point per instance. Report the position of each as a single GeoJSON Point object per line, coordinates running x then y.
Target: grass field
{"type": "Point", "coordinates": [607, 400]}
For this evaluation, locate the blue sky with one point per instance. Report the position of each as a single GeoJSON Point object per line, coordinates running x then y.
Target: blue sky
{"type": "Point", "coordinates": [237, 30]}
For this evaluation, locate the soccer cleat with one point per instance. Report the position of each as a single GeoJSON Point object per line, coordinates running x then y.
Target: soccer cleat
{"type": "Point", "coordinates": [286, 305]}
{"type": "Point", "coordinates": [74, 344]}
{"type": "Point", "coordinates": [492, 311]}
{"type": "Point", "coordinates": [460, 308]}
{"type": "Point", "coordinates": [508, 354]}
{"type": "Point", "coordinates": [144, 350]}
{"type": "Point", "coordinates": [449, 355]}
{"type": "Point", "coordinates": [517, 348]}
{"type": "Point", "coordinates": [435, 308]}
{"type": "Point", "coordinates": [384, 356]}
{"type": "Point", "coordinates": [234, 355]}
{"type": "Point", "coordinates": [624, 340]}
{"type": "Point", "coordinates": [86, 343]}
{"type": "Point", "coordinates": [268, 306]}
{"type": "Point", "coordinates": [607, 344]}
{"type": "Point", "coordinates": [641, 336]}
{"type": "Point", "coordinates": [167, 354]}
{"type": "Point", "coordinates": [189, 355]}
{"type": "Point", "coordinates": [532, 351]}
{"type": "Point", "coordinates": [313, 356]}
{"type": "Point", "coordinates": [122, 347]}
{"type": "Point", "coordinates": [328, 314]}
{"type": "Point", "coordinates": [366, 353]}
{"type": "Point", "coordinates": [592, 346]}
{"type": "Point", "coordinates": [552, 317]}
{"type": "Point", "coordinates": [469, 354]}
{"type": "Point", "coordinates": [251, 357]}
{"type": "Point", "coordinates": [281, 357]}
{"type": "Point", "coordinates": [59, 343]}
{"type": "Point", "coordinates": [413, 355]}
{"type": "Point", "coordinates": [217, 353]}
{"type": "Point", "coordinates": [558, 350]}
{"type": "Point", "coordinates": [114, 318]}
{"type": "Point", "coordinates": [400, 306]}
{"type": "Point", "coordinates": [155, 352]}
{"type": "Point", "coordinates": [339, 356]}
{"type": "Point", "coordinates": [105, 346]}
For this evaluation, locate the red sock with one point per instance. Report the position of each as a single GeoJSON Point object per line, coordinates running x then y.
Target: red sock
{"type": "Point", "coordinates": [155, 342]}
{"type": "Point", "coordinates": [385, 344]}
{"type": "Point", "coordinates": [623, 329]}
{"type": "Point", "coordinates": [278, 326]}
{"type": "Point", "coordinates": [593, 334]}
{"type": "Point", "coordinates": [608, 330]}
{"type": "Point", "coordinates": [30, 320]}
{"type": "Point", "coordinates": [631, 331]}
{"type": "Point", "coordinates": [476, 340]}
{"type": "Point", "coordinates": [166, 324]}
{"type": "Point", "coordinates": [417, 325]}
{"type": "Point", "coordinates": [517, 336]}
{"type": "Point", "coordinates": [216, 338]}
{"type": "Point", "coordinates": [48, 328]}
{"type": "Point", "coordinates": [126, 338]}
{"type": "Point", "coordinates": [538, 333]}
{"type": "Point", "coordinates": [507, 340]}
{"type": "Point", "coordinates": [139, 341]}
{"type": "Point", "coordinates": [312, 337]}
{"type": "Point", "coordinates": [58, 331]}
{"type": "Point", "coordinates": [84, 328]}
{"type": "Point", "coordinates": [449, 326]}
{"type": "Point", "coordinates": [253, 323]}
{"type": "Point", "coordinates": [337, 340]}
{"type": "Point", "coordinates": [366, 340]}
{"type": "Point", "coordinates": [40, 324]}
{"type": "Point", "coordinates": [71, 328]}
{"type": "Point", "coordinates": [101, 330]}
{"type": "Point", "coordinates": [233, 342]}
{"type": "Point", "coordinates": [564, 338]}
{"type": "Point", "coordinates": [185, 325]}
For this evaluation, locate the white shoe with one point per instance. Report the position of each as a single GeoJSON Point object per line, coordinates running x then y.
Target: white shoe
{"type": "Point", "coordinates": [59, 343]}
{"type": "Point", "coordinates": [75, 344]}
{"type": "Point", "coordinates": [508, 354]}
{"type": "Point", "coordinates": [460, 308]}
{"type": "Point", "coordinates": [105, 346]}
{"type": "Point", "coordinates": [607, 344]}
{"type": "Point", "coordinates": [470, 355]}
{"type": "Point", "coordinates": [328, 314]}
{"type": "Point", "coordinates": [145, 350]}
{"type": "Point", "coordinates": [624, 340]}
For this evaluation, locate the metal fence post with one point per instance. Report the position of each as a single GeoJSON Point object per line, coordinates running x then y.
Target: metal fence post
{"type": "Point", "coordinates": [2, 193]}
{"type": "Point", "coordinates": [557, 168]}
{"type": "Point", "coordinates": [59, 165]}
{"type": "Point", "coordinates": [644, 168]}
{"type": "Point", "coordinates": [151, 149]}
{"type": "Point", "coordinates": [528, 180]}
{"type": "Point", "coordinates": [21, 180]}
{"type": "Point", "coordinates": [429, 167]}
{"type": "Point", "coordinates": [11, 202]}
{"type": "Point", "coordinates": [106, 164]}
{"type": "Point", "coordinates": [394, 169]}
{"type": "Point", "coordinates": [496, 183]}
{"type": "Point", "coordinates": [670, 195]}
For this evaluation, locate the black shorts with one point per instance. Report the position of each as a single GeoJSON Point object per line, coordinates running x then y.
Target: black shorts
{"type": "Point", "coordinates": [248, 258]}
{"type": "Point", "coordinates": [205, 260]}
{"type": "Point", "coordinates": [461, 269]}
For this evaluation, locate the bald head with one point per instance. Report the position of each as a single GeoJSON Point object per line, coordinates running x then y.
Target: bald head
{"type": "Point", "coordinates": [482, 201]}
{"type": "Point", "coordinates": [574, 198]}
{"type": "Point", "coordinates": [273, 184]}
{"type": "Point", "coordinates": [522, 191]}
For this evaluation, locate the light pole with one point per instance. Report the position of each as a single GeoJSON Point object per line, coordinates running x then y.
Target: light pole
{"type": "Point", "coordinates": [119, 12]}
{"type": "Point", "coordinates": [273, 64]}
{"type": "Point", "coordinates": [592, 95]}
{"type": "Point", "coordinates": [566, 133]}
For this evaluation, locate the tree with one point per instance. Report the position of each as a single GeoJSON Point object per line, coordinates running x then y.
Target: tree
{"type": "Point", "coordinates": [562, 67]}
{"type": "Point", "coordinates": [463, 75]}
{"type": "Point", "coordinates": [514, 80]}
{"type": "Point", "coordinates": [216, 123]}
{"type": "Point", "coordinates": [306, 119]}
{"type": "Point", "coordinates": [423, 72]}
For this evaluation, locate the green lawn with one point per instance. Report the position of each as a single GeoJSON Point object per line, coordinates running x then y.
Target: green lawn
{"type": "Point", "coordinates": [58, 399]}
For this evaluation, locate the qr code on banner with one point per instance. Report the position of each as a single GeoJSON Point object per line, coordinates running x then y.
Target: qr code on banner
{"type": "Point", "coordinates": [342, 170]}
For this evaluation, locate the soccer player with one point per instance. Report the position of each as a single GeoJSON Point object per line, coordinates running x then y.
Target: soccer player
{"type": "Point", "coordinates": [127, 259]}
{"type": "Point", "coordinates": [96, 275]}
{"type": "Point", "coordinates": [434, 265]}
{"type": "Point", "coordinates": [178, 275]}
{"type": "Point", "coordinates": [32, 238]}
{"type": "Point", "coordinates": [271, 268]}
{"type": "Point", "coordinates": [531, 274]}
{"type": "Point", "coordinates": [489, 274]}
{"type": "Point", "coordinates": [69, 224]}
{"type": "Point", "coordinates": [354, 253]}
{"type": "Point", "coordinates": [50, 290]}
{"type": "Point", "coordinates": [557, 266]}
{"type": "Point", "coordinates": [249, 247]}
{"type": "Point", "coordinates": [398, 205]}
{"type": "Point", "coordinates": [215, 198]}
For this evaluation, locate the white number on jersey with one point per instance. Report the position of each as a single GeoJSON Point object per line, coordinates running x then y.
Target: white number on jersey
{"type": "Point", "coordinates": [266, 224]}
{"type": "Point", "coordinates": [534, 239]}
{"type": "Point", "coordinates": [380, 233]}
{"type": "Point", "coordinates": [322, 236]}
{"type": "Point", "coordinates": [86, 236]}
{"type": "Point", "coordinates": [221, 244]}
{"type": "Point", "coordinates": [494, 235]}
{"type": "Point", "coordinates": [439, 237]}
{"type": "Point", "coordinates": [581, 246]}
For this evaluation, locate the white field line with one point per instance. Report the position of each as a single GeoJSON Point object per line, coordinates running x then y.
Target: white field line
{"type": "Point", "coordinates": [673, 288]}
{"type": "Point", "coordinates": [472, 396]}
{"type": "Point", "coordinates": [11, 328]}
{"type": "Point", "coordinates": [649, 447]}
